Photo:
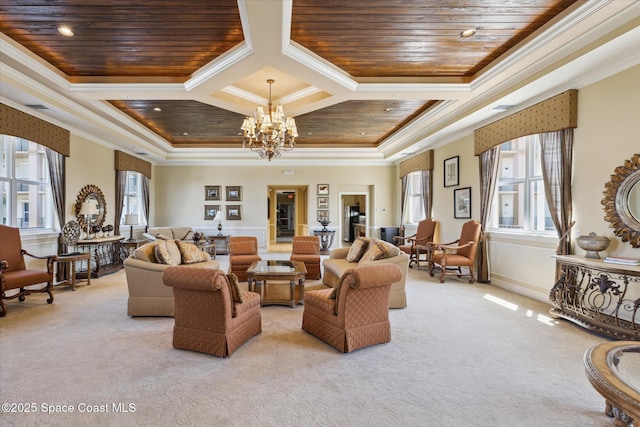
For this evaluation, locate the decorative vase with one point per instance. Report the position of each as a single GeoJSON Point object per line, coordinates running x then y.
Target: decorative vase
{"type": "Point", "coordinates": [196, 237]}
{"type": "Point", "coordinates": [324, 224]}
{"type": "Point", "coordinates": [593, 244]}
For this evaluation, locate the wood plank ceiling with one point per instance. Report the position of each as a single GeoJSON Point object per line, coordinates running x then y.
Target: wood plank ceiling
{"type": "Point", "coordinates": [163, 41]}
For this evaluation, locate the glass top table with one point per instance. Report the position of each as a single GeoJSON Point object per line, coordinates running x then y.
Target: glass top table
{"type": "Point", "coordinates": [276, 272]}
{"type": "Point", "coordinates": [613, 369]}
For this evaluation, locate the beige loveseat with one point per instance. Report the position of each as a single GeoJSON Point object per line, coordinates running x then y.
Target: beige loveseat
{"type": "Point", "coordinates": [148, 296]}
{"type": "Point", "coordinates": [371, 251]}
{"type": "Point", "coordinates": [178, 233]}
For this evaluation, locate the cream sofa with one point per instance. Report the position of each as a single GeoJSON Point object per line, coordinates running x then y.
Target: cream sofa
{"type": "Point", "coordinates": [336, 265]}
{"type": "Point", "coordinates": [178, 233]}
{"type": "Point", "coordinates": [148, 296]}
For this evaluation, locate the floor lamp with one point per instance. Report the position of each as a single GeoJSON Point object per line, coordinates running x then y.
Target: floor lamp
{"type": "Point", "coordinates": [218, 218]}
{"type": "Point", "coordinates": [131, 220]}
{"type": "Point", "coordinates": [88, 209]}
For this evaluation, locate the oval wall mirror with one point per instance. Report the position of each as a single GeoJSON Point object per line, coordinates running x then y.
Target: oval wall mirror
{"type": "Point", "coordinates": [91, 193]}
{"type": "Point", "coordinates": [622, 201]}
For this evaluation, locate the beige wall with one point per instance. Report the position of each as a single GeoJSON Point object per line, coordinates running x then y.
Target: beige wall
{"type": "Point", "coordinates": [179, 195]}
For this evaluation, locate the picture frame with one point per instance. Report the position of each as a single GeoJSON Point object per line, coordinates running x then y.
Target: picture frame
{"type": "Point", "coordinates": [452, 171]}
{"type": "Point", "coordinates": [234, 212]}
{"type": "Point", "coordinates": [234, 193]}
{"type": "Point", "coordinates": [323, 215]}
{"type": "Point", "coordinates": [323, 189]}
{"type": "Point", "coordinates": [323, 202]}
{"type": "Point", "coordinates": [210, 212]}
{"type": "Point", "coordinates": [462, 203]}
{"type": "Point", "coordinates": [212, 192]}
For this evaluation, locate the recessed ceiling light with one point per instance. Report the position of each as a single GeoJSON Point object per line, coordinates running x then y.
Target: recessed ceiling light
{"type": "Point", "coordinates": [388, 110]}
{"type": "Point", "coordinates": [157, 109]}
{"type": "Point", "coordinates": [468, 33]}
{"type": "Point", "coordinates": [363, 133]}
{"type": "Point", "coordinates": [309, 134]}
{"type": "Point", "coordinates": [288, 172]}
{"type": "Point", "coordinates": [185, 133]}
{"type": "Point", "coordinates": [65, 31]}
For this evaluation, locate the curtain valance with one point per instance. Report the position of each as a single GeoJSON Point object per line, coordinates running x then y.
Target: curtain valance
{"type": "Point", "coordinates": [419, 162]}
{"type": "Point", "coordinates": [22, 125]}
{"type": "Point", "coordinates": [127, 162]}
{"type": "Point", "coordinates": [553, 114]}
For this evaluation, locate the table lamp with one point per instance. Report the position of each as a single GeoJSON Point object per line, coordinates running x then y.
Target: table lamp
{"type": "Point", "coordinates": [88, 209]}
{"type": "Point", "coordinates": [131, 220]}
{"type": "Point", "coordinates": [218, 218]}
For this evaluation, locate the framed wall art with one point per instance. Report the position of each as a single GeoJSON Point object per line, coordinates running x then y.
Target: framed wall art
{"type": "Point", "coordinates": [323, 203]}
{"type": "Point", "coordinates": [451, 172]}
{"type": "Point", "coordinates": [234, 212]}
{"type": "Point", "coordinates": [462, 203]}
{"type": "Point", "coordinates": [210, 211]}
{"type": "Point", "coordinates": [212, 192]}
{"type": "Point", "coordinates": [323, 189]}
{"type": "Point", "coordinates": [234, 193]}
{"type": "Point", "coordinates": [323, 215]}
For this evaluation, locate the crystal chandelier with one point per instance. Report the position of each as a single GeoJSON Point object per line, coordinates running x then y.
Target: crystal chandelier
{"type": "Point", "coordinates": [269, 134]}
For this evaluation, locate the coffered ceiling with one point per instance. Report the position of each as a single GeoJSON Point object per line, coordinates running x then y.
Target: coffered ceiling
{"type": "Point", "coordinates": [366, 80]}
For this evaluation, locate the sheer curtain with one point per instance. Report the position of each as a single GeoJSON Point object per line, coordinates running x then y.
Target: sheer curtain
{"type": "Point", "coordinates": [427, 192]}
{"type": "Point", "coordinates": [145, 200]}
{"type": "Point", "coordinates": [56, 163]}
{"type": "Point", "coordinates": [403, 202]}
{"type": "Point", "coordinates": [121, 183]}
{"type": "Point", "coordinates": [488, 178]}
{"type": "Point", "coordinates": [557, 159]}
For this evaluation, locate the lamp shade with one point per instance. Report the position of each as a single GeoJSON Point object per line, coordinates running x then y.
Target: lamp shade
{"type": "Point", "coordinates": [131, 219]}
{"type": "Point", "coordinates": [89, 208]}
{"type": "Point", "coordinates": [218, 216]}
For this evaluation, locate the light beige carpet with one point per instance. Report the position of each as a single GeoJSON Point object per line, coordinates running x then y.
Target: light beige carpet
{"type": "Point", "coordinates": [458, 357]}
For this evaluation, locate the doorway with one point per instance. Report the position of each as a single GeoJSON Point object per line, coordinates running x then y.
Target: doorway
{"type": "Point", "coordinates": [287, 214]}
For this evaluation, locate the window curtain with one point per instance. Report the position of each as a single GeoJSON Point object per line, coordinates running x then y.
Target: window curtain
{"type": "Point", "coordinates": [145, 200]}
{"type": "Point", "coordinates": [121, 182]}
{"type": "Point", "coordinates": [56, 163]}
{"type": "Point", "coordinates": [557, 154]}
{"type": "Point", "coordinates": [488, 180]}
{"type": "Point", "coordinates": [427, 192]}
{"type": "Point", "coordinates": [403, 202]}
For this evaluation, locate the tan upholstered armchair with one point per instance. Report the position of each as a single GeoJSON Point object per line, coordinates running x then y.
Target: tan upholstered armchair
{"type": "Point", "coordinates": [359, 315]}
{"type": "Point", "coordinates": [410, 245]}
{"type": "Point", "coordinates": [13, 270]}
{"type": "Point", "coordinates": [209, 317]}
{"type": "Point", "coordinates": [307, 250]}
{"type": "Point", "coordinates": [243, 251]}
{"type": "Point", "coordinates": [449, 258]}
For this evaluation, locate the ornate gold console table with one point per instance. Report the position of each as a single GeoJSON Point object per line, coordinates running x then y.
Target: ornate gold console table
{"type": "Point", "coordinates": [107, 255]}
{"type": "Point", "coordinates": [599, 296]}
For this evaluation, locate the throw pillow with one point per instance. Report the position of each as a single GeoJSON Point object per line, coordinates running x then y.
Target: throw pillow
{"type": "Point", "coordinates": [173, 249]}
{"type": "Point", "coordinates": [389, 249]}
{"type": "Point", "coordinates": [374, 253]}
{"type": "Point", "coordinates": [162, 237]}
{"type": "Point", "coordinates": [162, 254]}
{"type": "Point", "coordinates": [234, 288]}
{"type": "Point", "coordinates": [189, 252]}
{"type": "Point", "coordinates": [358, 247]}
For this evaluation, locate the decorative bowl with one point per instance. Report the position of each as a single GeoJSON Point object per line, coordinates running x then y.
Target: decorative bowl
{"type": "Point", "coordinates": [324, 224]}
{"type": "Point", "coordinates": [593, 244]}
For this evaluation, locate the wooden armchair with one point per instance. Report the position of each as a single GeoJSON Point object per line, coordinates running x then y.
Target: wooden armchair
{"type": "Point", "coordinates": [307, 250]}
{"type": "Point", "coordinates": [243, 251]}
{"type": "Point", "coordinates": [355, 313]}
{"type": "Point", "coordinates": [13, 270]}
{"type": "Point", "coordinates": [212, 315]}
{"type": "Point", "coordinates": [424, 235]}
{"type": "Point", "coordinates": [449, 259]}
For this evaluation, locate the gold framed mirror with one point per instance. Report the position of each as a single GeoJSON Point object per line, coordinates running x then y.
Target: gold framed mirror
{"type": "Point", "coordinates": [93, 194]}
{"type": "Point", "coordinates": [622, 201]}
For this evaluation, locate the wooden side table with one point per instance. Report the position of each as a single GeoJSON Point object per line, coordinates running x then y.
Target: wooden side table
{"type": "Point", "coordinates": [221, 243]}
{"type": "Point", "coordinates": [71, 259]}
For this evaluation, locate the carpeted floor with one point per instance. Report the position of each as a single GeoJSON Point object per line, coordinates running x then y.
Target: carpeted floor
{"type": "Point", "coordinates": [460, 355]}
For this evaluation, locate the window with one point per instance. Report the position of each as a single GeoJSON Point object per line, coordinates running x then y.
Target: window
{"type": "Point", "coordinates": [27, 202]}
{"type": "Point", "coordinates": [519, 202]}
{"type": "Point", "coordinates": [133, 197]}
{"type": "Point", "coordinates": [414, 211]}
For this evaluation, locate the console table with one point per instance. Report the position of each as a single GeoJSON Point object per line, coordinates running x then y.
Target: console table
{"type": "Point", "coordinates": [221, 244]}
{"type": "Point", "coordinates": [599, 296]}
{"type": "Point", "coordinates": [326, 239]}
{"type": "Point", "coordinates": [107, 254]}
